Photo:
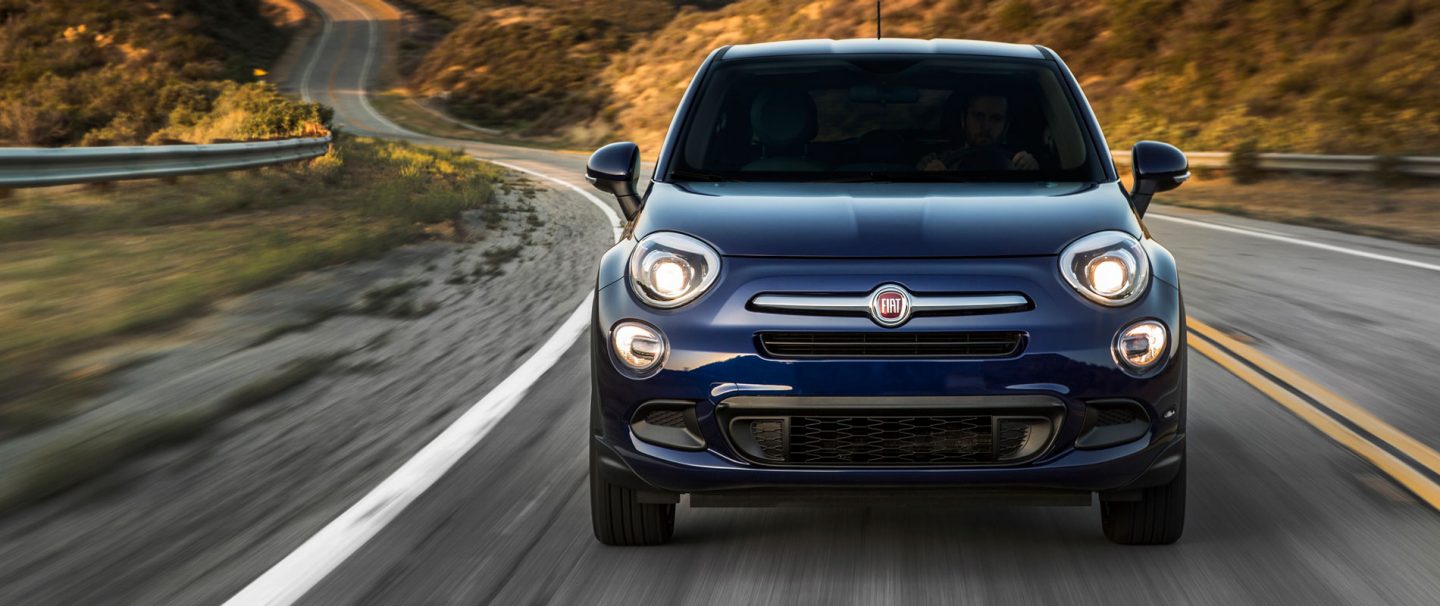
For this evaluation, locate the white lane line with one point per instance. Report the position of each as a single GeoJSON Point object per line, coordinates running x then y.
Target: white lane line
{"type": "Point", "coordinates": [1292, 240]}
{"type": "Point", "coordinates": [315, 58]}
{"type": "Point", "coordinates": [293, 577]}
{"type": "Point", "coordinates": [364, 84]}
{"type": "Point", "coordinates": [299, 572]}
{"type": "Point", "coordinates": [289, 580]}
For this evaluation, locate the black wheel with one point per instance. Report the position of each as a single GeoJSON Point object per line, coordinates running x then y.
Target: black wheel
{"type": "Point", "coordinates": [619, 518]}
{"type": "Point", "coordinates": [1158, 518]}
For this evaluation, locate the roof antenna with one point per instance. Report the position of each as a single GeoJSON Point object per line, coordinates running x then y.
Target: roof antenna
{"type": "Point", "coordinates": [877, 19]}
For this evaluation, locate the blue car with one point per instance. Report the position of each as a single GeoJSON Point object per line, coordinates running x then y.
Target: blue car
{"type": "Point", "coordinates": [872, 272]}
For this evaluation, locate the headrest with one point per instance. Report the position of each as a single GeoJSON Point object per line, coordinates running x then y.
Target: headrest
{"type": "Point", "coordinates": [952, 115]}
{"type": "Point", "coordinates": [783, 118]}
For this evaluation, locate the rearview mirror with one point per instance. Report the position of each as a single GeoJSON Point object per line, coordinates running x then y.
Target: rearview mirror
{"type": "Point", "coordinates": [615, 169]}
{"type": "Point", "coordinates": [1157, 167]}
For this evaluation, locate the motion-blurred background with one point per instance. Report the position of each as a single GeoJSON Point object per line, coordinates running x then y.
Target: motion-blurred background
{"type": "Point", "coordinates": [198, 372]}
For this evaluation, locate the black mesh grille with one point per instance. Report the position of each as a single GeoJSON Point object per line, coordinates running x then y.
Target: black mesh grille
{"type": "Point", "coordinates": [666, 418]}
{"type": "Point", "coordinates": [890, 344]}
{"type": "Point", "coordinates": [1114, 416]}
{"type": "Point", "coordinates": [891, 439]}
{"type": "Point", "coordinates": [770, 436]}
{"type": "Point", "coordinates": [1012, 437]}
{"type": "Point", "coordinates": [879, 440]}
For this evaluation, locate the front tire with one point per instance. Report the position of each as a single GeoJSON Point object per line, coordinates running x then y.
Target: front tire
{"type": "Point", "coordinates": [619, 518]}
{"type": "Point", "coordinates": [1158, 518]}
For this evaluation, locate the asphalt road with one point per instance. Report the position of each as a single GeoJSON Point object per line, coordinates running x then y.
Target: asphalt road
{"type": "Point", "coordinates": [1278, 513]}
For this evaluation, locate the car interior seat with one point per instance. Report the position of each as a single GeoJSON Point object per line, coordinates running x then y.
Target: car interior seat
{"type": "Point", "coordinates": [783, 122]}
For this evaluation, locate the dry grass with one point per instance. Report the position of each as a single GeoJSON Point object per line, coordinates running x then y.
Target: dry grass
{"type": "Point", "coordinates": [91, 267]}
{"type": "Point", "coordinates": [99, 72]}
{"type": "Point", "coordinates": [1328, 77]}
{"type": "Point", "coordinates": [1405, 213]}
{"type": "Point", "coordinates": [406, 111]}
{"type": "Point", "coordinates": [401, 109]}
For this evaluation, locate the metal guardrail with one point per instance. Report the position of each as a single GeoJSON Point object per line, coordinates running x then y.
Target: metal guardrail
{"type": "Point", "coordinates": [1420, 166]}
{"type": "Point", "coordinates": [46, 166]}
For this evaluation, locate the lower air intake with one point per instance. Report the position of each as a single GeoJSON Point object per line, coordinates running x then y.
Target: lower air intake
{"type": "Point", "coordinates": [880, 345]}
{"type": "Point", "coordinates": [891, 439]}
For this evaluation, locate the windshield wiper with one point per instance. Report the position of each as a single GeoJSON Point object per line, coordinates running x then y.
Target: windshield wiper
{"type": "Point", "coordinates": [890, 177]}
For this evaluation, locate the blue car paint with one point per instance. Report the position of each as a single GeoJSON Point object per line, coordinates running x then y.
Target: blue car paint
{"type": "Point", "coordinates": [1067, 355]}
{"type": "Point", "coordinates": [930, 237]}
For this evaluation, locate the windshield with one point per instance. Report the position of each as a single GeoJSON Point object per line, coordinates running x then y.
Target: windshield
{"type": "Point", "coordinates": [868, 118]}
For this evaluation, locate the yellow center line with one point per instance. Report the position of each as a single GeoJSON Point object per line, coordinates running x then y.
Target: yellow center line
{"type": "Point", "coordinates": [1362, 418]}
{"type": "Point", "coordinates": [1409, 477]}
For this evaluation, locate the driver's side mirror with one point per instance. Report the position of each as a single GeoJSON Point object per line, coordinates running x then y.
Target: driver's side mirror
{"type": "Point", "coordinates": [1158, 167]}
{"type": "Point", "coordinates": [615, 169]}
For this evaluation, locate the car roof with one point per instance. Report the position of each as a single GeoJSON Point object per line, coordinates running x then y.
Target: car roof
{"type": "Point", "coordinates": [893, 46]}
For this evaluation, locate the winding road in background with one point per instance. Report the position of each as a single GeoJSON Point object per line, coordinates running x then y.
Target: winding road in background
{"type": "Point", "coordinates": [1313, 397]}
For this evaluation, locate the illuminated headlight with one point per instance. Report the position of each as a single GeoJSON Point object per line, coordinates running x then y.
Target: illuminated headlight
{"type": "Point", "coordinates": [668, 269]}
{"type": "Point", "coordinates": [638, 346]}
{"type": "Point", "coordinates": [1141, 345]}
{"type": "Point", "coordinates": [1108, 267]}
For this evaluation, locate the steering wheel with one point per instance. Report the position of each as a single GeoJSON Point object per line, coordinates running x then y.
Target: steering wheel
{"type": "Point", "coordinates": [983, 158]}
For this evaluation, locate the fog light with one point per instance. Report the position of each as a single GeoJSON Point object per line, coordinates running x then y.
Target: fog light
{"type": "Point", "coordinates": [639, 347]}
{"type": "Point", "coordinates": [1141, 345]}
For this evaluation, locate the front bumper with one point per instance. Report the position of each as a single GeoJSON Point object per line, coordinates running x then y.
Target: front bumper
{"type": "Point", "coordinates": [714, 360]}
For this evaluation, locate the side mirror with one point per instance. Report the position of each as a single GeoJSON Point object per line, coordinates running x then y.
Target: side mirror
{"type": "Point", "coordinates": [1158, 167]}
{"type": "Point", "coordinates": [615, 169]}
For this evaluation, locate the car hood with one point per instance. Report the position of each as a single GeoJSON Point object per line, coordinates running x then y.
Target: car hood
{"type": "Point", "coordinates": [877, 220]}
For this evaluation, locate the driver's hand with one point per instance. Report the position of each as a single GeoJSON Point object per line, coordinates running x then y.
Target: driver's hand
{"type": "Point", "coordinates": [1025, 161]}
{"type": "Point", "coordinates": [933, 165]}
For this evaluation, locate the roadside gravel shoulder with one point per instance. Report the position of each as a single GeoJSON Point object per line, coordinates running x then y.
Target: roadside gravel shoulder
{"type": "Point", "coordinates": [277, 411]}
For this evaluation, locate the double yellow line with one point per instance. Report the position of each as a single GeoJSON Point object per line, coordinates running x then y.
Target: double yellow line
{"type": "Point", "coordinates": [1409, 462]}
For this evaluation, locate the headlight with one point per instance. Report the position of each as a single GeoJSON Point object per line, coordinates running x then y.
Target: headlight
{"type": "Point", "coordinates": [1108, 267]}
{"type": "Point", "coordinates": [1140, 345]}
{"type": "Point", "coordinates": [668, 269]}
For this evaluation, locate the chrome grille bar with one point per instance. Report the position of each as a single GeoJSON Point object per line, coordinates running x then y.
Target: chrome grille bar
{"type": "Point", "coordinates": [860, 304]}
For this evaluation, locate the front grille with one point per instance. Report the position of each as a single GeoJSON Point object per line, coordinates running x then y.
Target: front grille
{"type": "Point", "coordinates": [666, 418]}
{"type": "Point", "coordinates": [890, 344]}
{"type": "Point", "coordinates": [769, 434]}
{"type": "Point", "coordinates": [890, 439]}
{"type": "Point", "coordinates": [1114, 416]}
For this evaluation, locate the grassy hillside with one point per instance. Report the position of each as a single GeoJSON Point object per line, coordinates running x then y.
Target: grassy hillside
{"type": "Point", "coordinates": [1302, 75]}
{"type": "Point", "coordinates": [99, 71]}
{"type": "Point", "coordinates": [83, 268]}
{"type": "Point", "coordinates": [533, 67]}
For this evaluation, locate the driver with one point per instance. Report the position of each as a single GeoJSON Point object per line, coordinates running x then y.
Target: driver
{"type": "Point", "coordinates": [983, 122]}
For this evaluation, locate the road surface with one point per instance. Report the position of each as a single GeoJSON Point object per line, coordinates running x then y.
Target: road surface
{"type": "Point", "coordinates": [1279, 512]}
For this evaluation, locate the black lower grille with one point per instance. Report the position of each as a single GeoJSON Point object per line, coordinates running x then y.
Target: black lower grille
{"type": "Point", "coordinates": [890, 439]}
{"type": "Point", "coordinates": [666, 418]}
{"type": "Point", "coordinates": [890, 344]}
{"type": "Point", "coordinates": [1011, 437]}
{"type": "Point", "coordinates": [769, 434]}
{"type": "Point", "coordinates": [1114, 416]}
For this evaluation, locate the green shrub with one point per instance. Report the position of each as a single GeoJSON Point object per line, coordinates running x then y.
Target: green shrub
{"type": "Point", "coordinates": [253, 111]}
{"type": "Point", "coordinates": [1244, 163]}
{"type": "Point", "coordinates": [106, 72]}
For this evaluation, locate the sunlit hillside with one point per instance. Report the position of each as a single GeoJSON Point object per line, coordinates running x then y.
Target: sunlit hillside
{"type": "Point", "coordinates": [130, 72]}
{"type": "Point", "coordinates": [1303, 75]}
{"type": "Point", "coordinates": [534, 67]}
